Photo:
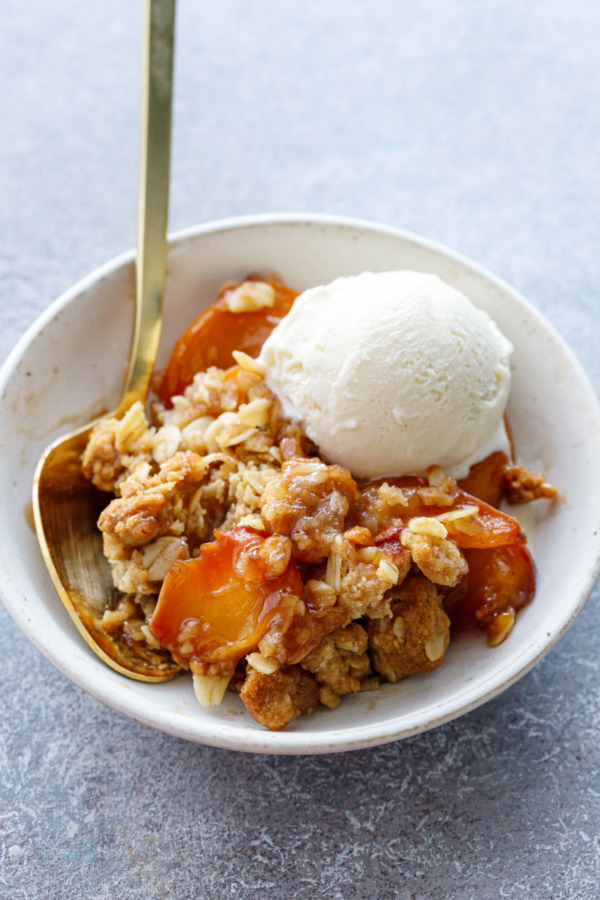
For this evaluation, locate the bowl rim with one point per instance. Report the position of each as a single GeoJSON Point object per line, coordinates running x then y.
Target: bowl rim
{"type": "Point", "coordinates": [363, 735]}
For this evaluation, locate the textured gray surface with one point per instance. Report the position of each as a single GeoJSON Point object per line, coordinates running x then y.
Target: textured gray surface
{"type": "Point", "coordinates": [476, 124]}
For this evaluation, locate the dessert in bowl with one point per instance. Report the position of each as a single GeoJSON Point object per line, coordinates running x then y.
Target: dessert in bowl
{"type": "Point", "coordinates": [547, 424]}
{"type": "Point", "coordinates": [288, 509]}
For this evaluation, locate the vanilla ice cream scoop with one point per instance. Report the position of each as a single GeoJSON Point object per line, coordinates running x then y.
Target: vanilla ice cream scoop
{"type": "Point", "coordinates": [390, 373]}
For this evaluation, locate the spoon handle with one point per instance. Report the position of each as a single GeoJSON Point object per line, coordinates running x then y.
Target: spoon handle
{"type": "Point", "coordinates": [153, 207]}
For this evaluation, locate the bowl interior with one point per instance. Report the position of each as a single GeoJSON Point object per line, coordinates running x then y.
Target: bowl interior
{"type": "Point", "coordinates": [69, 367]}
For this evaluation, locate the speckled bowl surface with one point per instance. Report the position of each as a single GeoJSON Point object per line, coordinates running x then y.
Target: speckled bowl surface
{"type": "Point", "coordinates": [69, 366]}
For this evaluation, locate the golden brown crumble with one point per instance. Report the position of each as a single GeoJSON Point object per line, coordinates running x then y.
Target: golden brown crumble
{"type": "Point", "coordinates": [340, 663]}
{"type": "Point", "coordinates": [439, 559]}
{"type": "Point", "coordinates": [364, 585]}
{"type": "Point", "coordinates": [416, 635]}
{"type": "Point", "coordinates": [369, 558]}
{"type": "Point", "coordinates": [377, 506]}
{"type": "Point", "coordinates": [308, 501]}
{"type": "Point", "coordinates": [275, 700]}
{"type": "Point", "coordinates": [523, 485]}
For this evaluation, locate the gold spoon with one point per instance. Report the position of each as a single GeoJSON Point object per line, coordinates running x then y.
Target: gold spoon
{"type": "Point", "coordinates": [65, 504]}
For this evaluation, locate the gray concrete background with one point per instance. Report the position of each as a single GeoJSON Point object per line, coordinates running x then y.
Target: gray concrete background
{"type": "Point", "coordinates": [473, 122]}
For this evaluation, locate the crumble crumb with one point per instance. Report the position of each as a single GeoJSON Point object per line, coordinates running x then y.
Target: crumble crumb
{"type": "Point", "coordinates": [523, 485]}
{"type": "Point", "coordinates": [416, 635]}
{"type": "Point", "coordinates": [439, 559]}
{"type": "Point", "coordinates": [275, 700]}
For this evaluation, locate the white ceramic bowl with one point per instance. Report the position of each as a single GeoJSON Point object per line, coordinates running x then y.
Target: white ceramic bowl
{"type": "Point", "coordinates": [68, 367]}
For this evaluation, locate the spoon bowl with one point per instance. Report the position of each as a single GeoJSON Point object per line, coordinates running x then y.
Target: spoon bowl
{"type": "Point", "coordinates": [66, 507]}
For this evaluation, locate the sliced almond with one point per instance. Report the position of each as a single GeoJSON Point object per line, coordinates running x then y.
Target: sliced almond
{"type": "Point", "coordinates": [428, 525]}
{"type": "Point", "coordinates": [434, 649]}
{"type": "Point", "coordinates": [248, 363]}
{"type": "Point", "coordinates": [210, 689]}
